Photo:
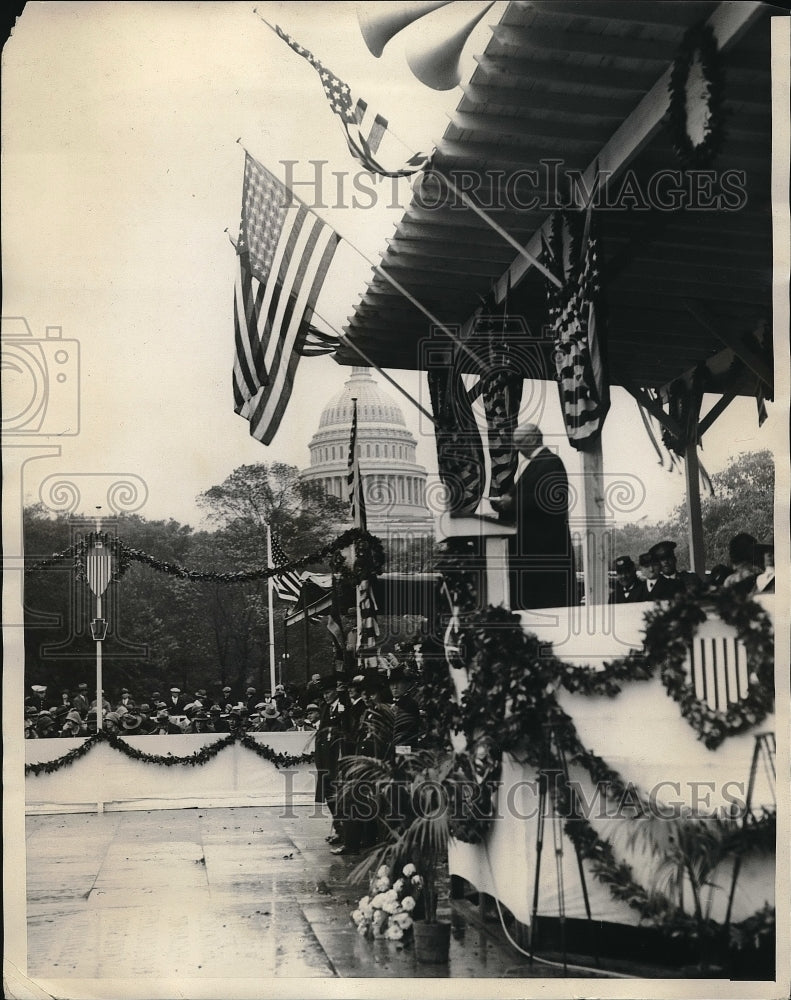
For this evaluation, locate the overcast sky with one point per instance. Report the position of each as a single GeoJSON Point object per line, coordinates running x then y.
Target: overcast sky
{"type": "Point", "coordinates": [121, 173]}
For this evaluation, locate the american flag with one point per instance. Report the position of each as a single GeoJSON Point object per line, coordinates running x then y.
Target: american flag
{"type": "Point", "coordinates": [362, 129]}
{"type": "Point", "coordinates": [284, 252]}
{"type": "Point", "coordinates": [576, 317]}
{"type": "Point", "coordinates": [288, 586]}
{"type": "Point", "coordinates": [366, 602]}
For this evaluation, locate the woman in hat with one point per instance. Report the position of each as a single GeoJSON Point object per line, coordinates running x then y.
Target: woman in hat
{"type": "Point", "coordinates": [72, 725]}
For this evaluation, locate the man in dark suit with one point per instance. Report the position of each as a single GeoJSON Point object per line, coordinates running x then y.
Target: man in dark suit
{"type": "Point", "coordinates": [671, 581]}
{"type": "Point", "coordinates": [542, 572]}
{"type": "Point", "coordinates": [629, 588]}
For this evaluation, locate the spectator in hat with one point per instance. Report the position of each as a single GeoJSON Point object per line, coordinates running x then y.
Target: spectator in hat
{"type": "Point", "coordinates": [30, 728]}
{"type": "Point", "coordinates": [746, 555]}
{"type": "Point", "coordinates": [406, 713]}
{"type": "Point", "coordinates": [131, 723]}
{"type": "Point", "coordinates": [271, 719]}
{"type": "Point", "coordinates": [313, 688]}
{"type": "Point", "coordinates": [329, 747]}
{"type": "Point", "coordinates": [147, 720]}
{"type": "Point", "coordinates": [72, 724]}
{"type": "Point", "coordinates": [356, 710]}
{"type": "Point", "coordinates": [126, 701]}
{"type": "Point", "coordinates": [65, 698]}
{"type": "Point", "coordinates": [162, 723]}
{"type": "Point", "coordinates": [90, 722]}
{"type": "Point", "coordinates": [299, 723]}
{"type": "Point", "coordinates": [670, 581]}
{"type": "Point", "coordinates": [629, 588]}
{"type": "Point", "coordinates": [79, 701]}
{"type": "Point", "coordinates": [250, 699]}
{"type": "Point", "coordinates": [39, 695]}
{"type": "Point", "coordinates": [112, 722]}
{"type": "Point", "coordinates": [176, 701]}
{"type": "Point", "coordinates": [312, 715]}
{"type": "Point", "coordinates": [45, 725]}
{"type": "Point", "coordinates": [538, 504]}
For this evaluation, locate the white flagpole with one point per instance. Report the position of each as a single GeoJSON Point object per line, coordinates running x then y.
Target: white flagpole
{"type": "Point", "coordinates": [269, 585]}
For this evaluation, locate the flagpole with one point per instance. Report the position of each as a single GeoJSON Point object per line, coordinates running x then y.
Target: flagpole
{"type": "Point", "coordinates": [269, 585]}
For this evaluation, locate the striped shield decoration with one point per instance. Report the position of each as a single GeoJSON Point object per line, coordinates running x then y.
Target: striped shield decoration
{"type": "Point", "coordinates": [99, 567]}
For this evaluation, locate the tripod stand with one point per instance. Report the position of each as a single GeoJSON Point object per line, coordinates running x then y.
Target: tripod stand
{"type": "Point", "coordinates": [554, 766]}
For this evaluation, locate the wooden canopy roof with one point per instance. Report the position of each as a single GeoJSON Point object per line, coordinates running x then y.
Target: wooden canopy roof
{"type": "Point", "coordinates": [585, 83]}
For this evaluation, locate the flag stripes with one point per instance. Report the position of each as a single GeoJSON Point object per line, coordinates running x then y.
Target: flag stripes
{"type": "Point", "coordinates": [98, 568]}
{"type": "Point", "coordinates": [284, 254]}
{"type": "Point", "coordinates": [575, 315]}
{"type": "Point", "coordinates": [369, 626]}
{"type": "Point", "coordinates": [288, 586]}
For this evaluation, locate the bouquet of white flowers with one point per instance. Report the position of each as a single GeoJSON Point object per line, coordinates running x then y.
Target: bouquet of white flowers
{"type": "Point", "coordinates": [387, 909]}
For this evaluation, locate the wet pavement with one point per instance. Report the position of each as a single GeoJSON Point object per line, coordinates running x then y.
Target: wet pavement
{"type": "Point", "coordinates": [214, 894]}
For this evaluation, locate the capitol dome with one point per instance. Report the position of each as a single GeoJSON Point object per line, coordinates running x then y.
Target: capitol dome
{"type": "Point", "coordinates": [394, 483]}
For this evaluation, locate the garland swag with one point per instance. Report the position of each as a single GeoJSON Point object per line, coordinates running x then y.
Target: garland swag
{"type": "Point", "coordinates": [699, 43]}
{"type": "Point", "coordinates": [369, 559]}
{"type": "Point", "coordinates": [197, 759]}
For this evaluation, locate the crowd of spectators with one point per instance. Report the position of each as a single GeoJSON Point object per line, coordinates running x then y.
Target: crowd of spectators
{"type": "Point", "coordinates": [72, 712]}
{"type": "Point", "coordinates": [656, 576]}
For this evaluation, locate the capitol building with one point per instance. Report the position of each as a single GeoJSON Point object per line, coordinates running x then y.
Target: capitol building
{"type": "Point", "coordinates": [394, 483]}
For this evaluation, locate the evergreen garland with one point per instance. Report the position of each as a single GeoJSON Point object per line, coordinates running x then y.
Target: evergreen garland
{"type": "Point", "coordinates": [197, 759]}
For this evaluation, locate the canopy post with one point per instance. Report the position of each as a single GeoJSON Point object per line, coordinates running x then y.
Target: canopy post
{"type": "Point", "coordinates": [697, 554]}
{"type": "Point", "coordinates": [595, 554]}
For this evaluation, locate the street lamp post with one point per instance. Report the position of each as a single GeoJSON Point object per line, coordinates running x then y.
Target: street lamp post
{"type": "Point", "coordinates": [98, 569]}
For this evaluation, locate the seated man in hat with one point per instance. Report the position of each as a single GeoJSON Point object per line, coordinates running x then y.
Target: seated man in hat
{"type": "Point", "coordinates": [671, 581]}
{"type": "Point", "coordinates": [629, 588]}
{"type": "Point", "coordinates": [648, 572]}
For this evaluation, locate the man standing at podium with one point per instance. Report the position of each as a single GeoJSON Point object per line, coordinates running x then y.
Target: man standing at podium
{"type": "Point", "coordinates": [542, 573]}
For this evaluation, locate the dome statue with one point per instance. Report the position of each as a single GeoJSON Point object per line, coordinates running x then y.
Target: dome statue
{"type": "Point", "coordinates": [393, 482]}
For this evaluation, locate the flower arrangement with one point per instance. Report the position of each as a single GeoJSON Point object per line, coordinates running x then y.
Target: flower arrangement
{"type": "Point", "coordinates": [387, 909]}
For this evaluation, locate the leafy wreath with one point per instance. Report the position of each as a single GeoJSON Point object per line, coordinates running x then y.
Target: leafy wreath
{"type": "Point", "coordinates": [700, 42]}
{"type": "Point", "coordinates": [369, 560]}
{"type": "Point", "coordinates": [669, 633]}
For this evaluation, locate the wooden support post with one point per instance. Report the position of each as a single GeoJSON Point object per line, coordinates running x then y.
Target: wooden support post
{"type": "Point", "coordinates": [697, 554]}
{"type": "Point", "coordinates": [594, 549]}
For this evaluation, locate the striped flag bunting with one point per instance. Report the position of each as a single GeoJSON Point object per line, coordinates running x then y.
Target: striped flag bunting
{"type": "Point", "coordinates": [284, 252]}
{"type": "Point", "coordinates": [362, 129]}
{"type": "Point", "coordinates": [318, 343]}
{"type": "Point", "coordinates": [576, 317]}
{"type": "Point", "coordinates": [288, 586]}
{"type": "Point", "coordinates": [459, 446]}
{"type": "Point", "coordinates": [354, 479]}
{"type": "Point", "coordinates": [369, 625]}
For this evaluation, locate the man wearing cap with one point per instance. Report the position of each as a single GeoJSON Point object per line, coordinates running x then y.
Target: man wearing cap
{"type": "Point", "coordinates": [629, 588]}
{"type": "Point", "coordinates": [79, 702]}
{"type": "Point", "coordinates": [328, 749]}
{"type": "Point", "coordinates": [406, 712]}
{"type": "Point", "coordinates": [670, 581]}
{"type": "Point", "coordinates": [541, 557]}
{"type": "Point", "coordinates": [176, 702]}
{"type": "Point", "coordinates": [312, 715]}
{"type": "Point", "coordinates": [126, 700]}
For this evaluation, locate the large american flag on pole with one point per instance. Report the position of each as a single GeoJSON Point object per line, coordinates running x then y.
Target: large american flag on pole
{"type": "Point", "coordinates": [283, 254]}
{"type": "Point", "coordinates": [288, 586]}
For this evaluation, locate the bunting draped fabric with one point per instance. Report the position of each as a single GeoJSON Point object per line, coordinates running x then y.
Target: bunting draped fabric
{"type": "Point", "coordinates": [284, 252]}
{"type": "Point", "coordinates": [577, 321]}
{"type": "Point", "coordinates": [459, 447]}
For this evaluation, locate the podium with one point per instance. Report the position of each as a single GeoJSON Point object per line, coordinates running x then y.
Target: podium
{"type": "Point", "coordinates": [493, 535]}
